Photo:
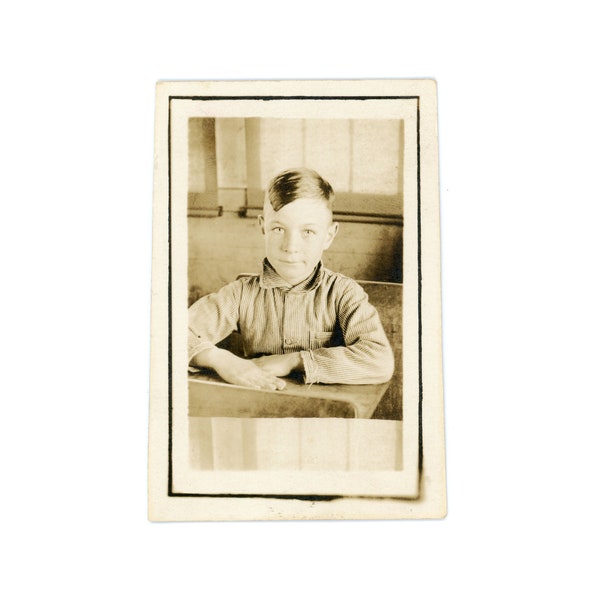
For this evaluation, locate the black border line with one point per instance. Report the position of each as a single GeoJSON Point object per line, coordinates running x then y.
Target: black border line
{"type": "Point", "coordinates": [419, 294]}
{"type": "Point", "coordinates": [268, 98]}
{"type": "Point", "coordinates": [311, 498]}
{"type": "Point", "coordinates": [170, 309]}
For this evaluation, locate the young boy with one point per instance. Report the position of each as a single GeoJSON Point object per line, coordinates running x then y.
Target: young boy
{"type": "Point", "coordinates": [296, 316]}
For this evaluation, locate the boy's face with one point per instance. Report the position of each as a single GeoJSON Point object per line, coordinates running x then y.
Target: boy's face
{"type": "Point", "coordinates": [296, 236]}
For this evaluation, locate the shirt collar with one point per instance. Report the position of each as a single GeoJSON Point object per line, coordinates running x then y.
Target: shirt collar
{"type": "Point", "coordinates": [269, 278]}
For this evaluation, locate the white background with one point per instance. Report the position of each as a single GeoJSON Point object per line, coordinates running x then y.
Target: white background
{"type": "Point", "coordinates": [519, 139]}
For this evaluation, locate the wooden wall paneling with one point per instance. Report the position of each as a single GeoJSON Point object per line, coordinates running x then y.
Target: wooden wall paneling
{"type": "Point", "coordinates": [375, 151]}
{"type": "Point", "coordinates": [327, 150]}
{"type": "Point", "coordinates": [202, 168]}
{"type": "Point", "coordinates": [281, 147]}
{"type": "Point", "coordinates": [255, 191]}
{"type": "Point", "coordinates": [230, 139]}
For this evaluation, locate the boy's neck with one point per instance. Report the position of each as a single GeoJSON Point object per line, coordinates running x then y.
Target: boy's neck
{"type": "Point", "coordinates": [271, 278]}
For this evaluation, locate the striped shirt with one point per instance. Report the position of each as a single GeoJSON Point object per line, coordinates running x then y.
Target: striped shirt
{"type": "Point", "coordinates": [327, 318]}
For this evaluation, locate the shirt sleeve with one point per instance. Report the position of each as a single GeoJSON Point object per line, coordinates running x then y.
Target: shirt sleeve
{"type": "Point", "coordinates": [367, 356]}
{"type": "Point", "coordinates": [212, 318]}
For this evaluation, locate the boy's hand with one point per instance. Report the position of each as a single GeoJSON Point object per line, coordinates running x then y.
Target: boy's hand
{"type": "Point", "coordinates": [279, 364]}
{"type": "Point", "coordinates": [238, 371]}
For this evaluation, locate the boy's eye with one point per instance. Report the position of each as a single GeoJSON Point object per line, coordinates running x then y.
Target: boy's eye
{"type": "Point", "coordinates": [309, 232]}
{"type": "Point", "coordinates": [277, 229]}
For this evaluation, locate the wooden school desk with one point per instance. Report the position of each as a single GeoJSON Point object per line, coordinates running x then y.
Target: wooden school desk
{"type": "Point", "coordinates": [209, 396]}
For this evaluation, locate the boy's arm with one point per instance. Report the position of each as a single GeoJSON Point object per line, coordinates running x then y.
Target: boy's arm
{"type": "Point", "coordinates": [280, 364]}
{"type": "Point", "coordinates": [212, 319]}
{"type": "Point", "coordinates": [367, 356]}
{"type": "Point", "coordinates": [236, 370]}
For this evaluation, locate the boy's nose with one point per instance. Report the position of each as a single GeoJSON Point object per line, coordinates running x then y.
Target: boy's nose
{"type": "Point", "coordinates": [291, 242]}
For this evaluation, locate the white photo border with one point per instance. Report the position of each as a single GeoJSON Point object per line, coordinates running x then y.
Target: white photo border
{"type": "Point", "coordinates": [426, 499]}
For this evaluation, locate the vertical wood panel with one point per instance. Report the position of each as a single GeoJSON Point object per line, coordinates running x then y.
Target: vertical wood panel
{"type": "Point", "coordinates": [249, 444]}
{"type": "Point", "coordinates": [375, 150]}
{"type": "Point", "coordinates": [401, 164]}
{"type": "Point", "coordinates": [280, 147]}
{"type": "Point", "coordinates": [202, 166]}
{"type": "Point", "coordinates": [324, 444]}
{"type": "Point", "coordinates": [196, 182]}
{"type": "Point", "coordinates": [202, 170]}
{"type": "Point", "coordinates": [328, 150]}
{"type": "Point", "coordinates": [201, 452]}
{"type": "Point", "coordinates": [372, 445]}
{"type": "Point", "coordinates": [399, 446]}
{"type": "Point", "coordinates": [278, 444]}
{"type": "Point", "coordinates": [230, 137]}
{"type": "Point", "coordinates": [228, 444]}
{"type": "Point", "coordinates": [253, 157]}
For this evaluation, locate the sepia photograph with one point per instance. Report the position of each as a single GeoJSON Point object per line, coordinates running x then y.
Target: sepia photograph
{"type": "Point", "coordinates": [295, 298]}
{"type": "Point", "coordinates": [300, 303]}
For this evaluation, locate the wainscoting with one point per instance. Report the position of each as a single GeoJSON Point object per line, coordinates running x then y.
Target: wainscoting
{"type": "Point", "coordinates": [220, 443]}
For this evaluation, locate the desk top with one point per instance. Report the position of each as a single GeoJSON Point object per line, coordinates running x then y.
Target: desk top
{"type": "Point", "coordinates": [210, 396]}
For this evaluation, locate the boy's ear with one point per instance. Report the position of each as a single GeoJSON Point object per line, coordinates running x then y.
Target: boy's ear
{"type": "Point", "coordinates": [331, 233]}
{"type": "Point", "coordinates": [261, 222]}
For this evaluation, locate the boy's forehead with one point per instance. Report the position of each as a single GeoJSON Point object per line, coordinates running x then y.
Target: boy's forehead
{"type": "Point", "coordinates": [299, 209]}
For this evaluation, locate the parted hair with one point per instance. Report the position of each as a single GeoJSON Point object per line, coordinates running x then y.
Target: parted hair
{"type": "Point", "coordinates": [299, 183]}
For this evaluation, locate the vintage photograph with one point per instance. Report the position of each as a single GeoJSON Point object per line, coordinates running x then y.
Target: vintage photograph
{"type": "Point", "coordinates": [296, 340]}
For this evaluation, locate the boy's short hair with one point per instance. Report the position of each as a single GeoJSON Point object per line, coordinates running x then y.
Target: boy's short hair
{"type": "Point", "coordinates": [298, 183]}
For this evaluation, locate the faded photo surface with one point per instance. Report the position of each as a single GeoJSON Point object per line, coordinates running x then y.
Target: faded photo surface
{"type": "Point", "coordinates": [294, 280]}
